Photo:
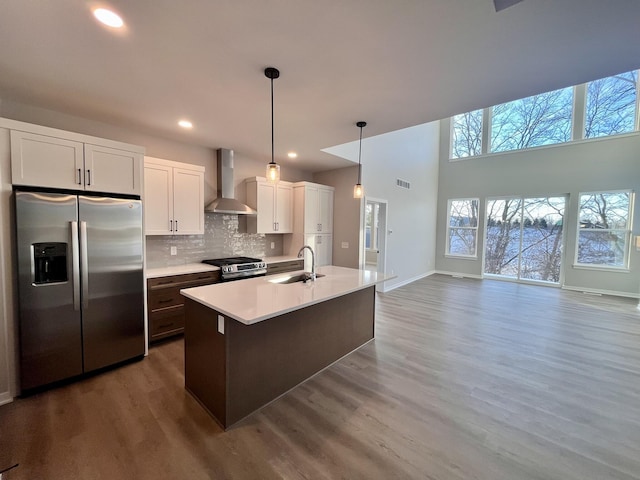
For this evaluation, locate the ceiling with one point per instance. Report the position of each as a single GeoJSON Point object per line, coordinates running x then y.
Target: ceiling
{"type": "Point", "coordinates": [392, 63]}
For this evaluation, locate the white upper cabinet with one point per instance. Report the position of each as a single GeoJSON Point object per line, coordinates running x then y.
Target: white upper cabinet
{"type": "Point", "coordinates": [56, 162]}
{"type": "Point", "coordinates": [173, 198]}
{"type": "Point", "coordinates": [313, 208]}
{"type": "Point", "coordinates": [274, 204]}
{"type": "Point", "coordinates": [112, 170]}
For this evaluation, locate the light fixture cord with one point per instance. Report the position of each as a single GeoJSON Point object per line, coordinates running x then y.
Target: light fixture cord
{"type": "Point", "coordinates": [272, 128]}
{"type": "Point", "coordinates": [359, 156]}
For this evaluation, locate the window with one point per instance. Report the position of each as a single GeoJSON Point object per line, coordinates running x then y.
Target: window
{"type": "Point", "coordinates": [372, 211]}
{"type": "Point", "coordinates": [604, 229]}
{"type": "Point", "coordinates": [543, 119]}
{"type": "Point", "coordinates": [611, 105]}
{"type": "Point", "coordinates": [524, 238]}
{"type": "Point", "coordinates": [462, 227]}
{"type": "Point", "coordinates": [466, 134]}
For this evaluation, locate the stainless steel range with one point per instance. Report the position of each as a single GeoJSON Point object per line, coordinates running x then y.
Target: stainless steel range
{"type": "Point", "coordinates": [237, 268]}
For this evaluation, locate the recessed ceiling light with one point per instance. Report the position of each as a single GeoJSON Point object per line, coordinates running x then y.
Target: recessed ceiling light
{"type": "Point", "coordinates": [108, 17]}
{"type": "Point", "coordinates": [185, 124]}
{"type": "Point", "coordinates": [292, 154]}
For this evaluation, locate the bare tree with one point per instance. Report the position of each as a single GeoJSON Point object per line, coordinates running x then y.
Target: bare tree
{"type": "Point", "coordinates": [539, 120]}
{"type": "Point", "coordinates": [611, 104]}
{"type": "Point", "coordinates": [467, 134]}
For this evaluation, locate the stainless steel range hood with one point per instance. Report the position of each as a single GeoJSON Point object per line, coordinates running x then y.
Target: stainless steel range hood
{"type": "Point", "coordinates": [226, 203]}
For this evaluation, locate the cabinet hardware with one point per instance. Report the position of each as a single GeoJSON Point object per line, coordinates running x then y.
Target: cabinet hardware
{"type": "Point", "coordinates": [88, 177]}
{"type": "Point", "coordinates": [176, 225]}
{"type": "Point", "coordinates": [79, 176]}
{"type": "Point", "coordinates": [171, 225]}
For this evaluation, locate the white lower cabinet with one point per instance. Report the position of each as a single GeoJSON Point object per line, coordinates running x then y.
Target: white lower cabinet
{"type": "Point", "coordinates": [173, 198]}
{"type": "Point", "coordinates": [322, 245]}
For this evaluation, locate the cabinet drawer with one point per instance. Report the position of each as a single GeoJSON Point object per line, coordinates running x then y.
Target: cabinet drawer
{"type": "Point", "coordinates": [166, 322]}
{"type": "Point", "coordinates": [166, 297]}
{"type": "Point", "coordinates": [188, 279]}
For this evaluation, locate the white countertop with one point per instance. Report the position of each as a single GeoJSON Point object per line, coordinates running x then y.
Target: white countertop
{"type": "Point", "coordinates": [179, 270]}
{"type": "Point", "coordinates": [256, 299]}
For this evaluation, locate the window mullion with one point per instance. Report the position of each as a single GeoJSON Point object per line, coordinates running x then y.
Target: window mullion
{"type": "Point", "coordinates": [486, 130]}
{"type": "Point", "coordinates": [579, 111]}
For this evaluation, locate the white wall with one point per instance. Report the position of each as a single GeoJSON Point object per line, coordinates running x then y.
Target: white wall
{"type": "Point", "coordinates": [410, 154]}
{"type": "Point", "coordinates": [610, 163]}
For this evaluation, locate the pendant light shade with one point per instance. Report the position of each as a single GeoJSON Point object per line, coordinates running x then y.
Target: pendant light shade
{"type": "Point", "coordinates": [273, 169]}
{"type": "Point", "coordinates": [358, 191]}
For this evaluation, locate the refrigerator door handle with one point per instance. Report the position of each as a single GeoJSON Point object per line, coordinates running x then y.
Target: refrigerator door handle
{"type": "Point", "coordinates": [75, 263]}
{"type": "Point", "coordinates": [84, 265]}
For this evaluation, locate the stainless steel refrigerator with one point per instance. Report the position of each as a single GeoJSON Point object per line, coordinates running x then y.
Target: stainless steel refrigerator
{"type": "Point", "coordinates": [80, 284]}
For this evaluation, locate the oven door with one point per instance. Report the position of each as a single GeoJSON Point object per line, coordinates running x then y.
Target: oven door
{"type": "Point", "coordinates": [230, 277]}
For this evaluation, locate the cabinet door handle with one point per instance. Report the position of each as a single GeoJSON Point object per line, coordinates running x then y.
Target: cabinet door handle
{"type": "Point", "coordinates": [79, 176]}
{"type": "Point", "coordinates": [176, 225]}
{"type": "Point", "coordinates": [171, 225]}
{"type": "Point", "coordinates": [88, 177]}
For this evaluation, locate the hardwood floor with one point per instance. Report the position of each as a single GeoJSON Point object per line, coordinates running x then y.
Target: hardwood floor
{"type": "Point", "coordinates": [466, 379]}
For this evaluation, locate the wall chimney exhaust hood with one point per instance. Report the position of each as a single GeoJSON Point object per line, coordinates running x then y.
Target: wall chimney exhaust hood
{"type": "Point", "coordinates": [226, 203]}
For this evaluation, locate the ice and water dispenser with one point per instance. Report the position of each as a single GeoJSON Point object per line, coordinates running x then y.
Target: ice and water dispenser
{"type": "Point", "coordinates": [50, 263]}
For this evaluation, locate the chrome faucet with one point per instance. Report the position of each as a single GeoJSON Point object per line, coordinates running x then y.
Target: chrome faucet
{"type": "Point", "coordinates": [313, 261]}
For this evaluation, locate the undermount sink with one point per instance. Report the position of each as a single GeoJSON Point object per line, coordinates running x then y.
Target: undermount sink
{"type": "Point", "coordinates": [301, 277]}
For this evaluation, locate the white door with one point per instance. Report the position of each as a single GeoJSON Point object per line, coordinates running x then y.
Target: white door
{"type": "Point", "coordinates": [112, 170]}
{"type": "Point", "coordinates": [325, 210]}
{"type": "Point", "coordinates": [188, 202]}
{"type": "Point", "coordinates": [284, 208]}
{"type": "Point", "coordinates": [374, 245]}
{"type": "Point", "coordinates": [265, 205]}
{"type": "Point", "coordinates": [322, 245]}
{"type": "Point", "coordinates": [42, 161]}
{"type": "Point", "coordinates": [311, 200]}
{"type": "Point", "coordinates": [158, 199]}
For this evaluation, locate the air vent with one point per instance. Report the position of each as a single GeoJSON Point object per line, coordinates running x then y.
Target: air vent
{"type": "Point", "coordinates": [403, 184]}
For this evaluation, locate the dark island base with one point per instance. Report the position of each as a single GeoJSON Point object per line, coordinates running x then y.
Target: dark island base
{"type": "Point", "coordinates": [234, 374]}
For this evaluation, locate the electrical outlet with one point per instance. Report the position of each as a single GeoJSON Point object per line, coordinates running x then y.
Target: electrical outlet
{"type": "Point", "coordinates": [345, 244]}
{"type": "Point", "coordinates": [273, 245]}
{"type": "Point", "coordinates": [174, 250]}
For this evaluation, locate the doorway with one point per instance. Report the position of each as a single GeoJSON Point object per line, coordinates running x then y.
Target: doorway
{"type": "Point", "coordinates": [524, 239]}
{"type": "Point", "coordinates": [375, 235]}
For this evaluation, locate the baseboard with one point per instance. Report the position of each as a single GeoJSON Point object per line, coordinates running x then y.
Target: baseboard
{"type": "Point", "coordinates": [459, 275]}
{"type": "Point", "coordinates": [602, 292]}
{"type": "Point", "coordinates": [5, 397]}
{"type": "Point", "coordinates": [387, 288]}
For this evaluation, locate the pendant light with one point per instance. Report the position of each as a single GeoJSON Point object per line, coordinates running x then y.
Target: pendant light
{"type": "Point", "coordinates": [358, 191]}
{"type": "Point", "coordinates": [273, 169]}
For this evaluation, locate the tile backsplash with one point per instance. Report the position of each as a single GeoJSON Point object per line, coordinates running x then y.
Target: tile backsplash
{"type": "Point", "coordinates": [224, 236]}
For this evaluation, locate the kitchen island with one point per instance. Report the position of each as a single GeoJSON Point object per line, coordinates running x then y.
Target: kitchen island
{"type": "Point", "coordinates": [250, 341]}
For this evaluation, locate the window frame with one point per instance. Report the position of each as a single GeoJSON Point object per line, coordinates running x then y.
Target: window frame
{"type": "Point", "coordinates": [627, 234]}
{"type": "Point", "coordinates": [448, 229]}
